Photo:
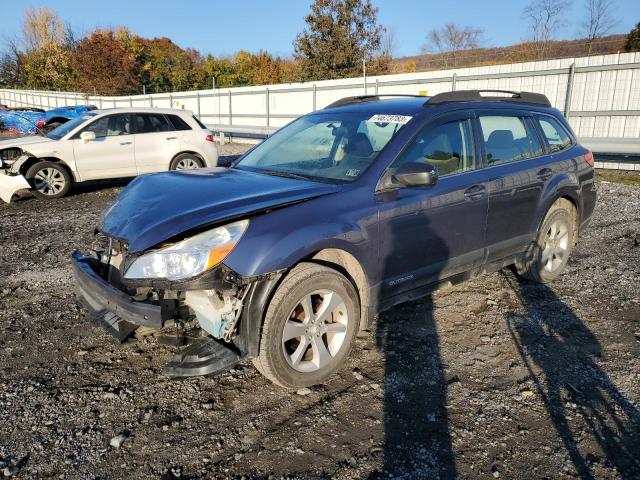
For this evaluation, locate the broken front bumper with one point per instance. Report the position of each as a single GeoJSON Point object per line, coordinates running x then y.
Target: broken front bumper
{"type": "Point", "coordinates": [10, 184]}
{"type": "Point", "coordinates": [114, 309]}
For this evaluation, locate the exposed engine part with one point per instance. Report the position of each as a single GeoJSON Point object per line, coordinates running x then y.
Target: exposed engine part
{"type": "Point", "coordinates": [10, 155]}
{"type": "Point", "coordinates": [216, 314]}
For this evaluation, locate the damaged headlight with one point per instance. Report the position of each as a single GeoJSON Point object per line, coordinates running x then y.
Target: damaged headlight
{"type": "Point", "coordinates": [189, 257]}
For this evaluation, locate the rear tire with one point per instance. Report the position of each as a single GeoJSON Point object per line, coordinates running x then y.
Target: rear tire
{"type": "Point", "coordinates": [48, 180]}
{"type": "Point", "coordinates": [186, 161]}
{"type": "Point", "coordinates": [546, 258]}
{"type": "Point", "coordinates": [309, 327]}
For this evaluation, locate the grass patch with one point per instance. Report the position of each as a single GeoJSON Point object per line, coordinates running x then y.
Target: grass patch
{"type": "Point", "coordinates": [619, 176]}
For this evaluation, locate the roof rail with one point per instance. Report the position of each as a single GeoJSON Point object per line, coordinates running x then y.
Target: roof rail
{"type": "Point", "coordinates": [475, 96]}
{"type": "Point", "coordinates": [367, 98]}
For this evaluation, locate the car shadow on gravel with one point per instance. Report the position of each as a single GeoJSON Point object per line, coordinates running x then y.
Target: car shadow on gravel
{"type": "Point", "coordinates": [417, 439]}
{"type": "Point", "coordinates": [560, 354]}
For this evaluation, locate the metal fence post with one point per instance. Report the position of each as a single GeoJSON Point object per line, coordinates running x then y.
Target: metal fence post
{"type": "Point", "coordinates": [567, 100]}
{"type": "Point", "coordinates": [230, 112]}
{"type": "Point", "coordinates": [150, 101]}
{"type": "Point", "coordinates": [268, 106]}
{"type": "Point", "coordinates": [198, 99]}
{"type": "Point", "coordinates": [314, 97]}
{"type": "Point", "coordinates": [170, 100]}
{"type": "Point", "coordinates": [454, 78]}
{"type": "Point", "coordinates": [377, 86]}
{"type": "Point", "coordinates": [130, 101]}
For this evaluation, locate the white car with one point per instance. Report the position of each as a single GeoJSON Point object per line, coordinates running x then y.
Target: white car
{"type": "Point", "coordinates": [101, 144]}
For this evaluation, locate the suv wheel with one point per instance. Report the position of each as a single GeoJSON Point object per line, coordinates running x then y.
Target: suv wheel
{"type": "Point", "coordinates": [186, 161]}
{"type": "Point", "coordinates": [49, 180]}
{"type": "Point", "coordinates": [309, 327]}
{"type": "Point", "coordinates": [547, 257]}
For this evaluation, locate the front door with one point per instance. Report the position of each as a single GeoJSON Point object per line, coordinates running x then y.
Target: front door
{"type": "Point", "coordinates": [428, 233]}
{"type": "Point", "coordinates": [111, 154]}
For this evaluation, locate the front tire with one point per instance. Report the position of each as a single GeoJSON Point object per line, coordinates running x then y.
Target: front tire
{"type": "Point", "coordinates": [309, 327]}
{"type": "Point", "coordinates": [186, 161]}
{"type": "Point", "coordinates": [546, 258]}
{"type": "Point", "coordinates": [48, 180]}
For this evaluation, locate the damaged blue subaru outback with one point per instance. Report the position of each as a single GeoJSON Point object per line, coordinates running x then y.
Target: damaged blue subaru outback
{"type": "Point", "coordinates": [372, 201]}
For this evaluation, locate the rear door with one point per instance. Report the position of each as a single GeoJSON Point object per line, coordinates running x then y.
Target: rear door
{"type": "Point", "coordinates": [111, 154]}
{"type": "Point", "coordinates": [156, 142]}
{"type": "Point", "coordinates": [518, 169]}
{"type": "Point", "coordinates": [429, 233]}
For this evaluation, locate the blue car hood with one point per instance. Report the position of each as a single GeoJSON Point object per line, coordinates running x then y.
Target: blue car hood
{"type": "Point", "coordinates": [154, 208]}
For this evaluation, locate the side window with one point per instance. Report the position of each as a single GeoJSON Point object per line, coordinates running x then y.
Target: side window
{"type": "Point", "coordinates": [448, 147]}
{"type": "Point", "coordinates": [110, 126]}
{"type": "Point", "coordinates": [151, 123]}
{"type": "Point", "coordinates": [508, 139]}
{"type": "Point", "coordinates": [178, 123]}
{"type": "Point", "coordinates": [557, 137]}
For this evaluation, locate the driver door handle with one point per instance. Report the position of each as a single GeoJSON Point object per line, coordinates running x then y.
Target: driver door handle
{"type": "Point", "coordinates": [125, 143]}
{"type": "Point", "coordinates": [545, 174]}
{"type": "Point", "coordinates": [171, 138]}
{"type": "Point", "coordinates": [475, 192]}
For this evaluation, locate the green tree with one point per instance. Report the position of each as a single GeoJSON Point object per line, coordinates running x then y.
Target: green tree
{"type": "Point", "coordinates": [633, 40]}
{"type": "Point", "coordinates": [338, 36]}
{"type": "Point", "coordinates": [100, 64]}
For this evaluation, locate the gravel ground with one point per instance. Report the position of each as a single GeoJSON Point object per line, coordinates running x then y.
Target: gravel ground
{"type": "Point", "coordinates": [492, 378]}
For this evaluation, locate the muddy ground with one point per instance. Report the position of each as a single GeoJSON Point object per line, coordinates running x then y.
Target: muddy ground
{"type": "Point", "coordinates": [494, 378]}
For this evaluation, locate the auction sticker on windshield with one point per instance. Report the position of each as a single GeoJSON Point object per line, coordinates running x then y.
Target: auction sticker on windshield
{"type": "Point", "coordinates": [381, 118]}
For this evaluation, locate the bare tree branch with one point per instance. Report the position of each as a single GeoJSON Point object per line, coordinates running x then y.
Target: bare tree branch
{"type": "Point", "coordinates": [546, 17]}
{"type": "Point", "coordinates": [452, 39]}
{"type": "Point", "coordinates": [598, 20]}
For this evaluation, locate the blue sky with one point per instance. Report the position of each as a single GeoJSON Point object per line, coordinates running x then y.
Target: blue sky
{"type": "Point", "coordinates": [222, 27]}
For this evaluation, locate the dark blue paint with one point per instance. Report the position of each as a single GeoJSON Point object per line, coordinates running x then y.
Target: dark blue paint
{"type": "Point", "coordinates": [403, 238]}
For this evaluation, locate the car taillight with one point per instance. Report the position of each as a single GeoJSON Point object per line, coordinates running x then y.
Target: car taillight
{"type": "Point", "coordinates": [40, 123]}
{"type": "Point", "coordinates": [209, 138]}
{"type": "Point", "coordinates": [588, 157]}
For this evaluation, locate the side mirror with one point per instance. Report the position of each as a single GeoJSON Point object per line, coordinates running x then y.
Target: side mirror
{"type": "Point", "coordinates": [416, 174]}
{"type": "Point", "coordinates": [87, 136]}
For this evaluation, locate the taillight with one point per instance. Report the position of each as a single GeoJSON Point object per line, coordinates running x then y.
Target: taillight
{"type": "Point", "coordinates": [40, 123]}
{"type": "Point", "coordinates": [209, 138]}
{"type": "Point", "coordinates": [588, 157]}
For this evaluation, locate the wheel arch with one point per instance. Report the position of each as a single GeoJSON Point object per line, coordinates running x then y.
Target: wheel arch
{"type": "Point", "coordinates": [192, 152]}
{"type": "Point", "coordinates": [31, 161]}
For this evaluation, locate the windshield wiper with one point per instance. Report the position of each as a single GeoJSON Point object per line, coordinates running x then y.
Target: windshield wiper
{"type": "Point", "coordinates": [279, 173]}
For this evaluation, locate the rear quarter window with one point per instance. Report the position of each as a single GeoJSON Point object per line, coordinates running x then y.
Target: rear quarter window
{"type": "Point", "coordinates": [554, 133]}
{"type": "Point", "coordinates": [202, 125]}
{"type": "Point", "coordinates": [178, 123]}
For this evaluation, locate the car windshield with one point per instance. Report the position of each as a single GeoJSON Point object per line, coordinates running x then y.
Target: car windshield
{"type": "Point", "coordinates": [62, 130]}
{"type": "Point", "coordinates": [333, 147]}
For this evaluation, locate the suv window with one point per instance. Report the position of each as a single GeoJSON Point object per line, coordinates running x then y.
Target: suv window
{"type": "Point", "coordinates": [110, 126]}
{"type": "Point", "coordinates": [202, 125]}
{"type": "Point", "coordinates": [178, 123]}
{"type": "Point", "coordinates": [152, 123]}
{"type": "Point", "coordinates": [557, 137]}
{"type": "Point", "coordinates": [508, 139]}
{"type": "Point", "coordinates": [448, 147]}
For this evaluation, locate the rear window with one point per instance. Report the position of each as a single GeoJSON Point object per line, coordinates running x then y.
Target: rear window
{"type": "Point", "coordinates": [508, 139]}
{"type": "Point", "coordinates": [178, 123]}
{"type": "Point", "coordinates": [555, 134]}
{"type": "Point", "coordinates": [202, 125]}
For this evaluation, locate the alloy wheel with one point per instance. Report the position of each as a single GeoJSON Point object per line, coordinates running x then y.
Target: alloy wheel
{"type": "Point", "coordinates": [315, 331]}
{"type": "Point", "coordinates": [556, 245]}
{"type": "Point", "coordinates": [49, 181]}
{"type": "Point", "coordinates": [187, 163]}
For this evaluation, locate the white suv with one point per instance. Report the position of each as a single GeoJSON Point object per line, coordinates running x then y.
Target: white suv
{"type": "Point", "coordinates": [101, 144]}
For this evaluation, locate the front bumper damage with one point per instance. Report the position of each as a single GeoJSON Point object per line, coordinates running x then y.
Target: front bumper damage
{"type": "Point", "coordinates": [10, 184]}
{"type": "Point", "coordinates": [227, 307]}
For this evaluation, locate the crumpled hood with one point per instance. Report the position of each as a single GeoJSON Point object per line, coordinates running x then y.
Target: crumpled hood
{"type": "Point", "coordinates": [23, 142]}
{"type": "Point", "coordinates": [156, 207]}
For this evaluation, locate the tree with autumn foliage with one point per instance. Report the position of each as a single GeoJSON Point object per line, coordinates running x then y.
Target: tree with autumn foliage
{"type": "Point", "coordinates": [339, 35]}
{"type": "Point", "coordinates": [101, 65]}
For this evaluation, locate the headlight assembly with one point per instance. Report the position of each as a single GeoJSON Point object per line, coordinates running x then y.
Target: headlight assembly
{"type": "Point", "coordinates": [189, 257]}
